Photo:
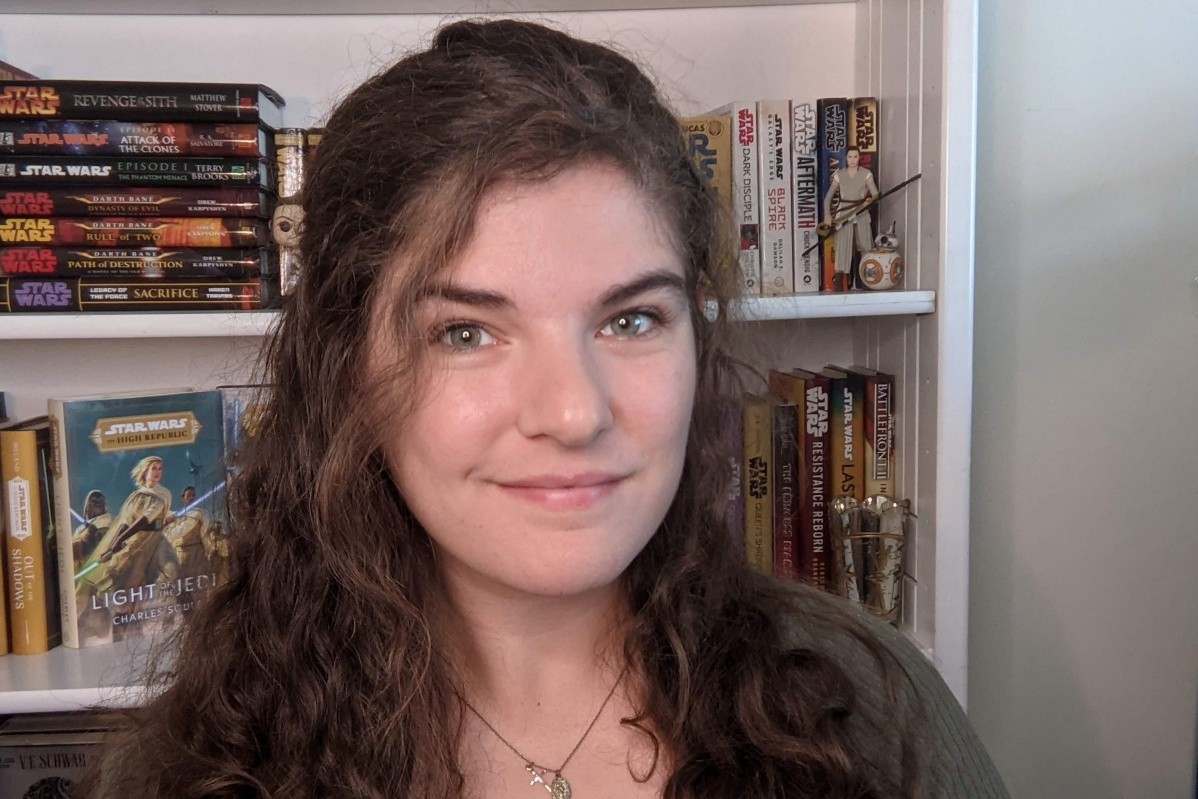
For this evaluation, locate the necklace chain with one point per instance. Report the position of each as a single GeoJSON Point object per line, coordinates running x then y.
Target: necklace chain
{"type": "Point", "coordinates": [532, 763]}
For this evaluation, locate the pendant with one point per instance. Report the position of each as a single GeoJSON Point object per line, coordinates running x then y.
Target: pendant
{"type": "Point", "coordinates": [536, 779]}
{"type": "Point", "coordinates": [559, 788]}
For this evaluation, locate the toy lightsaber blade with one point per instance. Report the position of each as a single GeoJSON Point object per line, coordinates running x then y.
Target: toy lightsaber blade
{"type": "Point", "coordinates": [862, 207]}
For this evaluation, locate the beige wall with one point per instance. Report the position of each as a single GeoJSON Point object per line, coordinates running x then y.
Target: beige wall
{"type": "Point", "coordinates": [1084, 608]}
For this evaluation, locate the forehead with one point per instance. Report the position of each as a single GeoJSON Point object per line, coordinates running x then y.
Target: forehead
{"type": "Point", "coordinates": [564, 239]}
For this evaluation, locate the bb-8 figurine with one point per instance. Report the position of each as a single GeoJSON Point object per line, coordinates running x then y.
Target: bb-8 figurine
{"type": "Point", "coordinates": [882, 267]}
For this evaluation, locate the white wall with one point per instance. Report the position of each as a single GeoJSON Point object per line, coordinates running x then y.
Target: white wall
{"type": "Point", "coordinates": [1084, 606]}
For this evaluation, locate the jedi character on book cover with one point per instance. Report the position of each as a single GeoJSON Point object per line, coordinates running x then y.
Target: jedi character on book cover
{"type": "Point", "coordinates": [159, 460]}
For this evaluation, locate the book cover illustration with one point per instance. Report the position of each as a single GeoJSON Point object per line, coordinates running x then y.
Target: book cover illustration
{"type": "Point", "coordinates": [142, 480]}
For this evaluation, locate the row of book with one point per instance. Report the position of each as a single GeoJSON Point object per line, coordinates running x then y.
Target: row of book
{"type": "Point", "coordinates": [818, 443]}
{"type": "Point", "coordinates": [800, 181]}
{"type": "Point", "coordinates": [140, 196]}
{"type": "Point", "coordinates": [115, 519]}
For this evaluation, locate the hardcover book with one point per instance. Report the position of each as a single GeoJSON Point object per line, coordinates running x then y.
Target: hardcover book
{"type": "Point", "coordinates": [809, 394]}
{"type": "Point", "coordinates": [110, 137]}
{"type": "Point", "coordinates": [879, 401]}
{"type": "Point", "coordinates": [141, 101]}
{"type": "Point", "coordinates": [131, 201]}
{"type": "Point", "coordinates": [31, 549]}
{"type": "Point", "coordinates": [46, 765]}
{"type": "Point", "coordinates": [786, 491]}
{"type": "Point", "coordinates": [141, 478]}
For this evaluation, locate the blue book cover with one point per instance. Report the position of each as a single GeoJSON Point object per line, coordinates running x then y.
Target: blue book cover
{"type": "Point", "coordinates": [140, 484]}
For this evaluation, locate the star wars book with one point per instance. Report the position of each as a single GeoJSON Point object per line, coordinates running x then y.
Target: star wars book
{"type": "Point", "coordinates": [746, 205]}
{"type": "Point", "coordinates": [809, 394]}
{"type": "Point", "coordinates": [758, 483]}
{"type": "Point", "coordinates": [140, 483]}
{"type": "Point", "coordinates": [133, 231]}
{"type": "Point", "coordinates": [832, 130]}
{"type": "Point", "coordinates": [110, 137]}
{"type": "Point", "coordinates": [100, 294]}
{"type": "Point", "coordinates": [133, 201]}
{"type": "Point", "coordinates": [777, 245]}
{"type": "Point", "coordinates": [142, 101]}
{"type": "Point", "coordinates": [31, 549]}
{"type": "Point", "coordinates": [49, 171]}
{"type": "Point", "coordinates": [805, 228]}
{"type": "Point", "coordinates": [151, 263]}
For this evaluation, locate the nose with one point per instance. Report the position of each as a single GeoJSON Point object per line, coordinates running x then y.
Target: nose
{"type": "Point", "coordinates": [566, 395]}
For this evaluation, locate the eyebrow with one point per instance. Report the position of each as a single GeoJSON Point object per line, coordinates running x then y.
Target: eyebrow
{"type": "Point", "coordinates": [658, 279]}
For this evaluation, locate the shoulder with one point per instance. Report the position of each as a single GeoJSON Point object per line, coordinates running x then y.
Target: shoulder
{"type": "Point", "coordinates": [897, 687]}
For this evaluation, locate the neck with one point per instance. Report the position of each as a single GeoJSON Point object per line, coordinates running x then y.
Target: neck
{"type": "Point", "coordinates": [515, 652]}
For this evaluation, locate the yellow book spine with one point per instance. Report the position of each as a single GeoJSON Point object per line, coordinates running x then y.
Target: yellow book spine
{"type": "Point", "coordinates": [25, 563]}
{"type": "Point", "coordinates": [758, 485]}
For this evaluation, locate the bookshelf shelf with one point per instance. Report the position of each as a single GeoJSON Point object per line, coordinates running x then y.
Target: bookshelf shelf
{"type": "Point", "coordinates": [22, 327]}
{"type": "Point", "coordinates": [314, 7]}
{"type": "Point", "coordinates": [65, 679]}
{"type": "Point", "coordinates": [26, 327]}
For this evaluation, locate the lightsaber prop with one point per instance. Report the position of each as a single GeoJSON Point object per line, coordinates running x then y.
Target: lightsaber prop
{"type": "Point", "coordinates": [864, 205]}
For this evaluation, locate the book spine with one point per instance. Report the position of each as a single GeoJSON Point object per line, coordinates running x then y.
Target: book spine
{"type": "Point", "coordinates": [847, 437]}
{"type": "Point", "coordinates": [734, 511]}
{"type": "Point", "coordinates": [833, 134]}
{"type": "Point", "coordinates": [813, 520]}
{"type": "Point", "coordinates": [92, 137]}
{"type": "Point", "coordinates": [139, 101]}
{"type": "Point", "coordinates": [143, 231]}
{"type": "Point", "coordinates": [290, 165]}
{"type": "Point", "coordinates": [68, 611]}
{"type": "Point", "coordinates": [786, 489]}
{"type": "Point", "coordinates": [135, 202]}
{"type": "Point", "coordinates": [81, 294]}
{"type": "Point", "coordinates": [806, 197]}
{"type": "Point", "coordinates": [149, 263]}
{"type": "Point", "coordinates": [26, 561]}
{"type": "Point", "coordinates": [777, 245]}
{"type": "Point", "coordinates": [863, 134]}
{"type": "Point", "coordinates": [50, 171]}
{"type": "Point", "coordinates": [709, 143]}
{"type": "Point", "coordinates": [746, 203]}
{"type": "Point", "coordinates": [879, 436]}
{"type": "Point", "coordinates": [759, 501]}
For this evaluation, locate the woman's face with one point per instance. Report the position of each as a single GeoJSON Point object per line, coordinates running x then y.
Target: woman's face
{"type": "Point", "coordinates": [545, 452]}
{"type": "Point", "coordinates": [154, 473]}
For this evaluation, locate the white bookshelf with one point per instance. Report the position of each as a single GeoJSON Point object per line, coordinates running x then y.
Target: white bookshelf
{"type": "Point", "coordinates": [64, 680]}
{"type": "Point", "coordinates": [40, 327]}
{"type": "Point", "coordinates": [917, 56]}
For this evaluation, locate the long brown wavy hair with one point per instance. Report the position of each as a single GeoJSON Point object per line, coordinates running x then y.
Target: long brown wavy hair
{"type": "Point", "coordinates": [312, 671]}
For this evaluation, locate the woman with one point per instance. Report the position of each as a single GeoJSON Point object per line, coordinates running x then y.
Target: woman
{"type": "Point", "coordinates": [479, 546]}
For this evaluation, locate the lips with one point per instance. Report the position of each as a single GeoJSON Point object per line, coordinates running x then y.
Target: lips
{"type": "Point", "coordinates": [564, 492]}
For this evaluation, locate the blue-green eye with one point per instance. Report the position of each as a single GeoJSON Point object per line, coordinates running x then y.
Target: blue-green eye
{"type": "Point", "coordinates": [630, 324]}
{"type": "Point", "coordinates": [465, 337]}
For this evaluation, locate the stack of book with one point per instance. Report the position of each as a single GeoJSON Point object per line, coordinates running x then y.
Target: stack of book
{"type": "Point", "coordinates": [817, 437]}
{"type": "Point", "coordinates": [783, 168]}
{"type": "Point", "coordinates": [120, 196]}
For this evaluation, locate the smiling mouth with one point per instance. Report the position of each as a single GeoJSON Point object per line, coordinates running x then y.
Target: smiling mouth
{"type": "Point", "coordinates": [564, 493]}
